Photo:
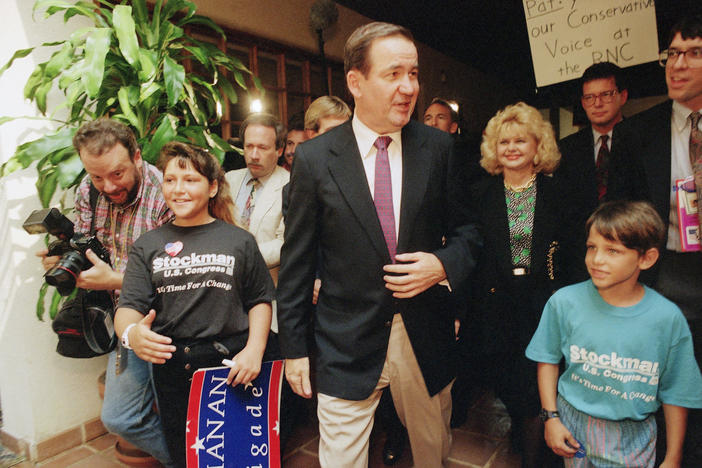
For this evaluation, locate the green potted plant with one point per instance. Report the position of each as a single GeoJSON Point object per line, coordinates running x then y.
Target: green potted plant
{"type": "Point", "coordinates": [129, 65]}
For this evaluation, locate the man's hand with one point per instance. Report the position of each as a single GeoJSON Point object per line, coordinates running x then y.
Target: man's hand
{"type": "Point", "coordinates": [47, 262]}
{"type": "Point", "coordinates": [419, 270]}
{"type": "Point", "coordinates": [148, 345]}
{"type": "Point", "coordinates": [557, 435]}
{"type": "Point", "coordinates": [245, 367]}
{"type": "Point", "coordinates": [297, 371]}
{"type": "Point", "coordinates": [99, 276]}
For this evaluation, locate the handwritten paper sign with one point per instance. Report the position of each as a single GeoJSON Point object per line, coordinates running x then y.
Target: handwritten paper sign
{"type": "Point", "coordinates": [567, 36]}
{"type": "Point", "coordinates": [234, 427]}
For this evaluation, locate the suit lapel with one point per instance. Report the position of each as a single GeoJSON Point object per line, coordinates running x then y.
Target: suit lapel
{"type": "Point", "coordinates": [657, 164]}
{"type": "Point", "coordinates": [496, 208]}
{"type": "Point", "coordinates": [541, 211]}
{"type": "Point", "coordinates": [265, 201]}
{"type": "Point", "coordinates": [416, 168]}
{"type": "Point", "coordinates": [347, 171]}
{"type": "Point", "coordinates": [235, 181]}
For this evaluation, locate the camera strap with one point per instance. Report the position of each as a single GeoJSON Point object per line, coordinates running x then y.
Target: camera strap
{"type": "Point", "coordinates": [94, 194]}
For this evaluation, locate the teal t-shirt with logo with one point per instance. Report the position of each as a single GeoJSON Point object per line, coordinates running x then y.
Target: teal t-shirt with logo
{"type": "Point", "coordinates": [621, 362]}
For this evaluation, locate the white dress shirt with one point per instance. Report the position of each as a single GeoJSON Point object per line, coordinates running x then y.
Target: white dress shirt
{"type": "Point", "coordinates": [680, 167]}
{"type": "Point", "coordinates": [365, 137]}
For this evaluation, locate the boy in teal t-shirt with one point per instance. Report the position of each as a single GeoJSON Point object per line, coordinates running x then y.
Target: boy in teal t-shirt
{"type": "Point", "coordinates": [627, 350]}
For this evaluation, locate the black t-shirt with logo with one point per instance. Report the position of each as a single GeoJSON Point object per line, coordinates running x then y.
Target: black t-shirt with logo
{"type": "Point", "coordinates": [200, 280]}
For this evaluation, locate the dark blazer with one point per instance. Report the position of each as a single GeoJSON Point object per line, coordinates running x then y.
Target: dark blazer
{"type": "Point", "coordinates": [577, 169]}
{"type": "Point", "coordinates": [642, 163]}
{"type": "Point", "coordinates": [503, 317]}
{"type": "Point", "coordinates": [331, 215]}
{"type": "Point", "coordinates": [641, 145]}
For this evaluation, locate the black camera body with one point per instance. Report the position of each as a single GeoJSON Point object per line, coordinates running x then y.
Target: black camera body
{"type": "Point", "coordinates": [70, 246]}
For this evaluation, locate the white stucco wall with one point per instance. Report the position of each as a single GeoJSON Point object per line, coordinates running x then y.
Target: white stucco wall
{"type": "Point", "coordinates": [41, 393]}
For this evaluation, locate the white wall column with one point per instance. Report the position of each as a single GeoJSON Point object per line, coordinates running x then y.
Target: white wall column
{"type": "Point", "coordinates": [42, 394]}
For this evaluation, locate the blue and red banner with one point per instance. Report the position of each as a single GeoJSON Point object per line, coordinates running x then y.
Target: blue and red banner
{"type": "Point", "coordinates": [234, 427]}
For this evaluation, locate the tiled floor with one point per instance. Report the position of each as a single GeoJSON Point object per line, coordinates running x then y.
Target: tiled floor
{"type": "Point", "coordinates": [482, 442]}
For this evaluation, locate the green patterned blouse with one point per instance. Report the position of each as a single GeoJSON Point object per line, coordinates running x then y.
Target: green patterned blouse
{"type": "Point", "coordinates": [520, 214]}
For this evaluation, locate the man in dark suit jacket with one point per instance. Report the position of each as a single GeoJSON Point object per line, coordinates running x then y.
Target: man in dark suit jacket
{"type": "Point", "coordinates": [603, 95]}
{"type": "Point", "coordinates": [379, 320]}
{"type": "Point", "coordinates": [652, 150]}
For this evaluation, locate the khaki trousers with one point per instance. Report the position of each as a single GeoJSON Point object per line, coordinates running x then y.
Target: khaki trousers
{"type": "Point", "coordinates": [345, 425]}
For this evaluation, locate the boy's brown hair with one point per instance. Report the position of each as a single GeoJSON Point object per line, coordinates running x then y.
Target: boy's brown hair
{"type": "Point", "coordinates": [635, 224]}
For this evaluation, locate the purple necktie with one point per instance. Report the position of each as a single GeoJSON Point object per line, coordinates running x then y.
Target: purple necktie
{"type": "Point", "coordinates": [382, 195]}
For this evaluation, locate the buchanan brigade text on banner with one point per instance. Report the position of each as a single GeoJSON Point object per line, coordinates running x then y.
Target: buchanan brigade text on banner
{"type": "Point", "coordinates": [234, 427]}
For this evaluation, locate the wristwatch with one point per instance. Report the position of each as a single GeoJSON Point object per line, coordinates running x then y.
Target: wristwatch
{"type": "Point", "coordinates": [125, 336]}
{"type": "Point", "coordinates": [545, 414]}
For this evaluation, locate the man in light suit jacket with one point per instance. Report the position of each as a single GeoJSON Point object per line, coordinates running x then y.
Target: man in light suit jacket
{"type": "Point", "coordinates": [374, 205]}
{"type": "Point", "coordinates": [263, 138]}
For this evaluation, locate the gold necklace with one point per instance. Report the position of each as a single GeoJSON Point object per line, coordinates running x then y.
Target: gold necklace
{"type": "Point", "coordinates": [520, 188]}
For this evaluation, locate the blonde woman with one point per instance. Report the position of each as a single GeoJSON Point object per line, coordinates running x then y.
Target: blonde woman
{"type": "Point", "coordinates": [525, 226]}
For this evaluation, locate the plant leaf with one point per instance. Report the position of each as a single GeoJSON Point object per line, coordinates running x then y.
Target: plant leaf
{"type": "Point", "coordinates": [69, 169]}
{"type": "Point", "coordinates": [239, 78]}
{"type": "Point", "coordinates": [72, 75]}
{"type": "Point", "coordinates": [59, 61]}
{"type": "Point", "coordinates": [18, 54]}
{"type": "Point", "coordinates": [174, 76]}
{"type": "Point", "coordinates": [40, 96]}
{"type": "Point", "coordinates": [141, 13]}
{"type": "Point", "coordinates": [156, 18]}
{"type": "Point", "coordinates": [172, 7]}
{"type": "Point", "coordinates": [259, 86]}
{"type": "Point", "coordinates": [205, 21]}
{"type": "Point", "coordinates": [96, 46]}
{"type": "Point", "coordinates": [126, 34]}
{"type": "Point", "coordinates": [40, 301]}
{"type": "Point", "coordinates": [191, 102]}
{"type": "Point", "coordinates": [200, 54]}
{"type": "Point", "coordinates": [164, 133]}
{"type": "Point", "coordinates": [127, 111]}
{"type": "Point", "coordinates": [148, 60]}
{"type": "Point", "coordinates": [10, 166]}
{"type": "Point", "coordinates": [46, 186]}
{"type": "Point", "coordinates": [148, 89]}
{"type": "Point", "coordinates": [33, 82]}
{"type": "Point", "coordinates": [221, 143]}
{"type": "Point", "coordinates": [226, 86]}
{"type": "Point", "coordinates": [56, 301]}
{"type": "Point", "coordinates": [35, 150]}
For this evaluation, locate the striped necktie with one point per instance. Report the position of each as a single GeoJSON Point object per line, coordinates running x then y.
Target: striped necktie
{"type": "Point", "coordinates": [601, 165]}
{"type": "Point", "coordinates": [248, 208]}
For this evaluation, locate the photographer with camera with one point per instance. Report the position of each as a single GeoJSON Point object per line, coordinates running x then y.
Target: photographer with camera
{"type": "Point", "coordinates": [126, 202]}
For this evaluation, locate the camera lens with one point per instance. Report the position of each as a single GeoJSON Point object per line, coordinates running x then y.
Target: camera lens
{"type": "Point", "coordinates": [64, 275]}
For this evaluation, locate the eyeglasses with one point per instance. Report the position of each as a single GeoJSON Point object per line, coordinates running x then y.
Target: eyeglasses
{"type": "Point", "coordinates": [606, 97]}
{"type": "Point", "coordinates": [693, 57]}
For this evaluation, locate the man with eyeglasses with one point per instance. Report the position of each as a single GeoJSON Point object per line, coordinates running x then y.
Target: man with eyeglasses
{"type": "Point", "coordinates": [586, 155]}
{"type": "Point", "coordinates": [653, 150]}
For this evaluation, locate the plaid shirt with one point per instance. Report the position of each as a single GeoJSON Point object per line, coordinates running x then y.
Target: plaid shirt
{"type": "Point", "coordinates": [117, 226]}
